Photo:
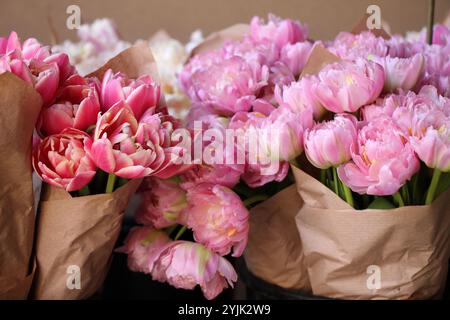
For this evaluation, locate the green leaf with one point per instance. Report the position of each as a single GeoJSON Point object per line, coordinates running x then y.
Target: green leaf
{"type": "Point", "coordinates": [444, 184]}
{"type": "Point", "coordinates": [381, 203]}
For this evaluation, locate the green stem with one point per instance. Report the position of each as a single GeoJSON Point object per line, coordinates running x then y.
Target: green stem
{"type": "Point", "coordinates": [398, 198]}
{"type": "Point", "coordinates": [433, 185]}
{"type": "Point", "coordinates": [110, 183]}
{"type": "Point", "coordinates": [84, 191]}
{"type": "Point", "coordinates": [323, 176]}
{"type": "Point", "coordinates": [405, 194]}
{"type": "Point", "coordinates": [348, 195]}
{"type": "Point", "coordinates": [335, 181]}
{"type": "Point", "coordinates": [180, 233]}
{"type": "Point", "coordinates": [258, 198]}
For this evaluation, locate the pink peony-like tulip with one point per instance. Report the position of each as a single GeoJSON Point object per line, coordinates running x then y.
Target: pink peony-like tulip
{"type": "Point", "coordinates": [401, 73]}
{"type": "Point", "coordinates": [281, 133]}
{"type": "Point", "coordinates": [186, 264]}
{"type": "Point", "coordinates": [161, 203]}
{"type": "Point", "coordinates": [229, 83]}
{"type": "Point", "coordinates": [34, 64]}
{"type": "Point", "coordinates": [223, 174]}
{"type": "Point", "coordinates": [62, 161]}
{"type": "Point", "coordinates": [328, 144]}
{"type": "Point", "coordinates": [140, 94]}
{"type": "Point", "coordinates": [259, 169]}
{"type": "Point", "coordinates": [77, 107]}
{"type": "Point", "coordinates": [433, 144]}
{"type": "Point", "coordinates": [346, 86]}
{"type": "Point", "coordinates": [218, 218]}
{"type": "Point", "coordinates": [299, 96]}
{"type": "Point", "coordinates": [130, 149]}
{"type": "Point", "coordinates": [277, 30]}
{"type": "Point", "coordinates": [382, 159]}
{"type": "Point", "coordinates": [295, 56]}
{"type": "Point", "coordinates": [144, 245]}
{"type": "Point", "coordinates": [356, 46]}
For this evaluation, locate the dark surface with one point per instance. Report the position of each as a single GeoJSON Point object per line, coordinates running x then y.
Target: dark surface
{"type": "Point", "coordinates": [121, 283]}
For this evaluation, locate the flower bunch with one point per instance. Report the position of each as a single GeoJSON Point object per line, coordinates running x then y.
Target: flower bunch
{"type": "Point", "coordinates": [91, 127]}
{"type": "Point", "coordinates": [35, 64]}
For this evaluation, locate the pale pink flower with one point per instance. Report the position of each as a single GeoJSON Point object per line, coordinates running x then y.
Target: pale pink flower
{"type": "Point", "coordinates": [186, 264]}
{"type": "Point", "coordinates": [295, 56]}
{"type": "Point", "coordinates": [382, 159]}
{"type": "Point", "coordinates": [328, 144]}
{"type": "Point", "coordinates": [217, 218]}
{"type": "Point", "coordinates": [277, 30]}
{"type": "Point", "coordinates": [346, 86]}
{"type": "Point", "coordinates": [144, 245]}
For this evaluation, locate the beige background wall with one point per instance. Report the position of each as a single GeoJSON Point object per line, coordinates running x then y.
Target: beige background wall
{"type": "Point", "coordinates": [140, 18]}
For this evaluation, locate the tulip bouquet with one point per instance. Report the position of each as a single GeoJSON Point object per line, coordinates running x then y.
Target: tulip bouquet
{"type": "Point", "coordinates": [370, 112]}
{"type": "Point", "coordinates": [29, 76]}
{"type": "Point", "coordinates": [101, 41]}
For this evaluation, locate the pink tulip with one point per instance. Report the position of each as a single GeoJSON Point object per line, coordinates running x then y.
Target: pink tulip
{"type": "Point", "coordinates": [433, 144]}
{"type": "Point", "coordinates": [77, 107]}
{"type": "Point", "coordinates": [277, 30]}
{"type": "Point", "coordinates": [161, 203]}
{"type": "Point", "coordinates": [401, 73]}
{"type": "Point", "coordinates": [295, 56]}
{"type": "Point", "coordinates": [140, 94]}
{"type": "Point", "coordinates": [328, 144]}
{"type": "Point", "coordinates": [186, 264]}
{"type": "Point", "coordinates": [62, 161]}
{"type": "Point", "coordinates": [281, 134]}
{"type": "Point", "coordinates": [382, 159]}
{"type": "Point", "coordinates": [114, 149]}
{"type": "Point", "coordinates": [229, 83]}
{"type": "Point", "coordinates": [223, 174]}
{"type": "Point", "coordinates": [262, 171]}
{"type": "Point", "coordinates": [34, 63]}
{"type": "Point", "coordinates": [144, 245]}
{"type": "Point", "coordinates": [299, 96]}
{"type": "Point", "coordinates": [346, 86]}
{"type": "Point", "coordinates": [218, 218]}
{"type": "Point", "coordinates": [134, 150]}
{"type": "Point", "coordinates": [356, 46]}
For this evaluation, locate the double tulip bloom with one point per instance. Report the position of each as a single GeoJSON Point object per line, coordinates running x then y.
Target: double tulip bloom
{"type": "Point", "coordinates": [382, 159]}
{"type": "Point", "coordinates": [62, 161]}
{"type": "Point", "coordinates": [217, 218]}
{"type": "Point", "coordinates": [182, 264]}
{"type": "Point", "coordinates": [34, 64]}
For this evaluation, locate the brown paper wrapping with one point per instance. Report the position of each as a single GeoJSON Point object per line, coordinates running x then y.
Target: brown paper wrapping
{"type": "Point", "coordinates": [274, 251]}
{"type": "Point", "coordinates": [408, 248]}
{"type": "Point", "coordinates": [216, 39]}
{"type": "Point", "coordinates": [20, 105]}
{"type": "Point", "coordinates": [80, 231]}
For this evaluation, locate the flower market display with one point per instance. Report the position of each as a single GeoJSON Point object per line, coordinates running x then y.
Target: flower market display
{"type": "Point", "coordinates": [313, 161]}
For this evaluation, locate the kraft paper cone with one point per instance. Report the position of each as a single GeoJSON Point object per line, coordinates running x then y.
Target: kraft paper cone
{"type": "Point", "coordinates": [134, 61]}
{"type": "Point", "coordinates": [75, 240]}
{"type": "Point", "coordinates": [215, 40]}
{"type": "Point", "coordinates": [274, 252]}
{"type": "Point", "coordinates": [400, 253]}
{"type": "Point", "coordinates": [318, 58]}
{"type": "Point", "coordinates": [20, 105]}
